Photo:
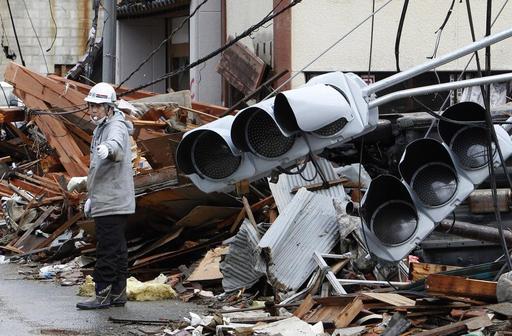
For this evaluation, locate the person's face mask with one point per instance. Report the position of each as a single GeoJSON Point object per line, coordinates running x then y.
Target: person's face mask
{"type": "Point", "coordinates": [98, 113]}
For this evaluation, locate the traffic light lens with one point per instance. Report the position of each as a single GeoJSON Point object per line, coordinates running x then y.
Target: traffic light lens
{"type": "Point", "coordinates": [213, 158]}
{"type": "Point", "coordinates": [394, 222]}
{"type": "Point", "coordinates": [470, 145]}
{"type": "Point", "coordinates": [332, 128]}
{"type": "Point", "coordinates": [435, 183]}
{"type": "Point", "coordinates": [265, 138]}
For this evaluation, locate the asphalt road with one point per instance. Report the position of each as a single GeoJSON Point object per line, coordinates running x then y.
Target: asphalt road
{"type": "Point", "coordinates": [31, 307]}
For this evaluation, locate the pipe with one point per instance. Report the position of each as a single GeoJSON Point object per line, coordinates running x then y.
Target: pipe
{"type": "Point", "coordinates": [473, 231]}
{"type": "Point", "coordinates": [436, 62]}
{"type": "Point", "coordinates": [425, 90]}
{"type": "Point", "coordinates": [109, 42]}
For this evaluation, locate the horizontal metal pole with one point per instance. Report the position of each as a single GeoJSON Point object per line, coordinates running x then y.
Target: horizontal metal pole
{"type": "Point", "coordinates": [371, 282]}
{"type": "Point", "coordinates": [439, 87]}
{"type": "Point", "coordinates": [436, 62]}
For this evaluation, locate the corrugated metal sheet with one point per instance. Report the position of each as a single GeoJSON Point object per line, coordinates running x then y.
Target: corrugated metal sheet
{"type": "Point", "coordinates": [281, 189]}
{"type": "Point", "coordinates": [306, 225]}
{"type": "Point", "coordinates": [238, 266]}
{"type": "Point", "coordinates": [134, 8]}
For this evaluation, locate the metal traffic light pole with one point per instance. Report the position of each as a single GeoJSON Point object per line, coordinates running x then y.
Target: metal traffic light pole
{"type": "Point", "coordinates": [425, 90]}
{"type": "Point", "coordinates": [436, 62]}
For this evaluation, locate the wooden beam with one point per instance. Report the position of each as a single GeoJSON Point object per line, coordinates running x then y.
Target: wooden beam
{"type": "Point", "coordinates": [459, 286]}
{"type": "Point", "coordinates": [11, 114]}
{"type": "Point", "coordinates": [348, 313]}
{"type": "Point", "coordinates": [60, 230]}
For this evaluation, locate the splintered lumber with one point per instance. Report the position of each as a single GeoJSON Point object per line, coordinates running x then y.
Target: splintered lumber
{"type": "Point", "coordinates": [304, 307]}
{"type": "Point", "coordinates": [391, 298]}
{"type": "Point", "coordinates": [43, 88]}
{"type": "Point", "coordinates": [60, 230]}
{"type": "Point", "coordinates": [209, 267]}
{"type": "Point", "coordinates": [420, 271]}
{"type": "Point", "coordinates": [348, 313]}
{"type": "Point", "coordinates": [459, 286]}
{"type": "Point", "coordinates": [11, 114]}
{"type": "Point", "coordinates": [341, 313]}
{"type": "Point", "coordinates": [36, 224]}
{"type": "Point", "coordinates": [57, 136]}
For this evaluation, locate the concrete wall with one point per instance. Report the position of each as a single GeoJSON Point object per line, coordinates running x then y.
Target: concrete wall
{"type": "Point", "coordinates": [73, 21]}
{"type": "Point", "coordinates": [317, 24]}
{"type": "Point", "coordinates": [242, 14]}
{"type": "Point", "coordinates": [205, 37]}
{"type": "Point", "coordinates": [136, 38]}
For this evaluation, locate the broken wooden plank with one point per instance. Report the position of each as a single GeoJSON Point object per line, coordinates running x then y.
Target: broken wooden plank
{"type": "Point", "coordinates": [459, 286]}
{"type": "Point", "coordinates": [242, 68]}
{"type": "Point", "coordinates": [60, 230]}
{"type": "Point", "coordinates": [420, 271]}
{"type": "Point", "coordinates": [209, 267]}
{"type": "Point", "coordinates": [391, 298]}
{"type": "Point", "coordinates": [11, 114]}
{"type": "Point", "coordinates": [304, 307]}
{"type": "Point", "coordinates": [36, 224]}
{"type": "Point", "coordinates": [348, 313]}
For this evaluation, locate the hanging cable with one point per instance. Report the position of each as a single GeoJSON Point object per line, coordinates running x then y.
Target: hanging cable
{"type": "Point", "coordinates": [486, 94]}
{"type": "Point", "coordinates": [216, 52]}
{"type": "Point", "coordinates": [37, 37]}
{"type": "Point", "coordinates": [164, 42]}
{"type": "Point", "coordinates": [464, 71]}
{"type": "Point", "coordinates": [54, 24]}
{"type": "Point", "coordinates": [15, 33]}
{"type": "Point", "coordinates": [399, 35]}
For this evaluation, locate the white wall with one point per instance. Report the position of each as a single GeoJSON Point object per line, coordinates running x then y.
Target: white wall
{"type": "Point", "coordinates": [136, 38]}
{"type": "Point", "coordinates": [317, 24]}
{"type": "Point", "coordinates": [242, 14]}
{"type": "Point", "coordinates": [73, 21]}
{"type": "Point", "coordinates": [205, 37]}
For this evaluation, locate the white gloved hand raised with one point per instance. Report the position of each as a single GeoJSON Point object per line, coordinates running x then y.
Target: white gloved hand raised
{"type": "Point", "coordinates": [102, 151]}
{"type": "Point", "coordinates": [87, 208]}
{"type": "Point", "coordinates": [77, 183]}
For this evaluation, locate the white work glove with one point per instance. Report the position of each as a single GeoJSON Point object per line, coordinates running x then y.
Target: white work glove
{"type": "Point", "coordinates": [77, 183]}
{"type": "Point", "coordinates": [87, 208]}
{"type": "Point", "coordinates": [102, 151]}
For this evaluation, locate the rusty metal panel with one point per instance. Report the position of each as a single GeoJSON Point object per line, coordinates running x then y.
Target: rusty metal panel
{"type": "Point", "coordinates": [160, 151]}
{"type": "Point", "coordinates": [241, 68]}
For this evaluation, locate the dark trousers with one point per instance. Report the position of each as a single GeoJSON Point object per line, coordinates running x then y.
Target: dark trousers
{"type": "Point", "coordinates": [111, 251]}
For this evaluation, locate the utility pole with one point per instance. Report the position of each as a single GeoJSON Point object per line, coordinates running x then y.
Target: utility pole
{"type": "Point", "coordinates": [109, 42]}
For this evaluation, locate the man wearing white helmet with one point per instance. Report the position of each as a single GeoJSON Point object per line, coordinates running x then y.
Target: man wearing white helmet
{"type": "Point", "coordinates": [111, 196]}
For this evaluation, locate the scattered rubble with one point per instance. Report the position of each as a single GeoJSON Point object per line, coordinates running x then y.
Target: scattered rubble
{"type": "Point", "coordinates": [288, 258]}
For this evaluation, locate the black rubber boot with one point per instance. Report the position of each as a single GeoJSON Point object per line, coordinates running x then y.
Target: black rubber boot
{"type": "Point", "coordinates": [118, 296]}
{"type": "Point", "coordinates": [102, 299]}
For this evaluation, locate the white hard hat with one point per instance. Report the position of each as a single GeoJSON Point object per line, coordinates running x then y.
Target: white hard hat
{"type": "Point", "coordinates": [101, 93]}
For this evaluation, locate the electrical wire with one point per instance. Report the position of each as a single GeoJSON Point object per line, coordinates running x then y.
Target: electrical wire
{"type": "Point", "coordinates": [491, 132]}
{"type": "Point", "coordinates": [15, 33]}
{"type": "Point", "coordinates": [464, 71]}
{"type": "Point", "coordinates": [216, 52]}
{"type": "Point", "coordinates": [399, 34]}
{"type": "Point", "coordinates": [55, 25]}
{"type": "Point", "coordinates": [164, 42]}
{"type": "Point", "coordinates": [37, 37]}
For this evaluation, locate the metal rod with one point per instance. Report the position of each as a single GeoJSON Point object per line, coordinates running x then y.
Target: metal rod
{"type": "Point", "coordinates": [371, 282]}
{"type": "Point", "coordinates": [436, 62]}
{"type": "Point", "coordinates": [439, 87]}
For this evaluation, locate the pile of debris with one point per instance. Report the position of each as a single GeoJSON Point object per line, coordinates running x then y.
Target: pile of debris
{"type": "Point", "coordinates": [288, 258]}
